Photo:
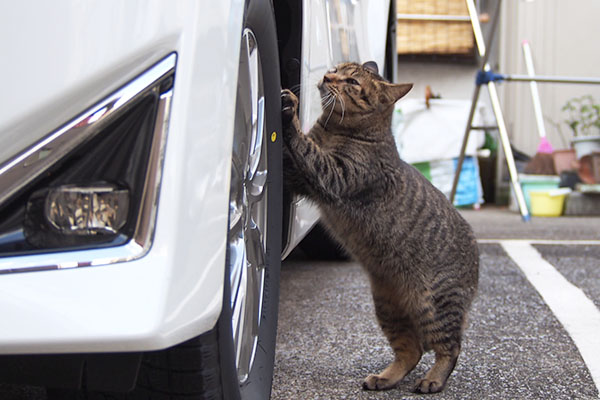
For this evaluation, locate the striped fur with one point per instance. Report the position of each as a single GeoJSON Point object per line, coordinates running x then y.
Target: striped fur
{"type": "Point", "coordinates": [420, 254]}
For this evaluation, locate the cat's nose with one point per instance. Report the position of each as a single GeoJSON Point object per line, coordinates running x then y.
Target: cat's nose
{"type": "Point", "coordinates": [328, 78]}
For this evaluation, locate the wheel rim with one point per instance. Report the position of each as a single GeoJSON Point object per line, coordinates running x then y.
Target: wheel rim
{"type": "Point", "coordinates": [248, 207]}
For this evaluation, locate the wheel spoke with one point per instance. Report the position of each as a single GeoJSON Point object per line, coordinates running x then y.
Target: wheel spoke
{"type": "Point", "coordinates": [247, 339]}
{"type": "Point", "coordinates": [236, 199]}
{"type": "Point", "coordinates": [256, 97]}
{"type": "Point", "coordinates": [237, 260]}
{"type": "Point", "coordinates": [244, 112]}
{"type": "Point", "coordinates": [257, 185]}
{"type": "Point", "coordinates": [256, 260]}
{"type": "Point", "coordinates": [259, 279]}
{"type": "Point", "coordinates": [238, 312]}
{"type": "Point", "coordinates": [255, 249]}
{"type": "Point", "coordinates": [258, 126]}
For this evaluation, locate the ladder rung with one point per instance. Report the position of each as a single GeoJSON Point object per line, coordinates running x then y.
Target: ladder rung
{"type": "Point", "coordinates": [484, 128]}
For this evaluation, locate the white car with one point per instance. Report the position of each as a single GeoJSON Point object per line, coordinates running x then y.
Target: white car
{"type": "Point", "coordinates": [142, 219]}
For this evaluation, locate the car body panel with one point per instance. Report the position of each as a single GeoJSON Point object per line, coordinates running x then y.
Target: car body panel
{"type": "Point", "coordinates": [68, 55]}
{"type": "Point", "coordinates": [334, 31]}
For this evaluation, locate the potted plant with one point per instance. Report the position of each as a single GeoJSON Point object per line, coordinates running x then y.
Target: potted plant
{"type": "Point", "coordinates": [584, 120]}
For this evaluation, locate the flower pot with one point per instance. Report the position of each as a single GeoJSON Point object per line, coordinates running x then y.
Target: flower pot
{"type": "Point", "coordinates": [596, 166]}
{"type": "Point", "coordinates": [585, 145]}
{"type": "Point", "coordinates": [585, 170]}
{"type": "Point", "coordinates": [563, 160]}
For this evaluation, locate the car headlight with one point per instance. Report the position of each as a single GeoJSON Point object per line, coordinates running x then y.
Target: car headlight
{"type": "Point", "coordinates": [92, 183]}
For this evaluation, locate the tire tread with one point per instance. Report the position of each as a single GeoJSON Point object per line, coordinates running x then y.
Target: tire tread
{"type": "Point", "coordinates": [187, 371]}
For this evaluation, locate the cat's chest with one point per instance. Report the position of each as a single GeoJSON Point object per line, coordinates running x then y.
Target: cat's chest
{"type": "Point", "coordinates": [353, 216]}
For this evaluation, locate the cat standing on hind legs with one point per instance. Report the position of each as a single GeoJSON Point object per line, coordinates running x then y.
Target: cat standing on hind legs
{"type": "Point", "coordinates": [420, 255]}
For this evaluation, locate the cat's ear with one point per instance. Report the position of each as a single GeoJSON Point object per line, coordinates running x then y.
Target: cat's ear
{"type": "Point", "coordinates": [371, 66]}
{"type": "Point", "coordinates": [395, 91]}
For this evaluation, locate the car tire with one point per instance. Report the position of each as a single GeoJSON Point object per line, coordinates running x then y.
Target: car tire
{"type": "Point", "coordinates": [253, 380]}
{"type": "Point", "coordinates": [208, 366]}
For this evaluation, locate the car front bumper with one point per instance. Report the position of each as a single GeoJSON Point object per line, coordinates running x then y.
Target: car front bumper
{"type": "Point", "coordinates": [68, 57]}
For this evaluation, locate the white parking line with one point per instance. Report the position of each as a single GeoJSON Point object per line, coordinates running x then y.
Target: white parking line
{"type": "Point", "coordinates": [575, 311]}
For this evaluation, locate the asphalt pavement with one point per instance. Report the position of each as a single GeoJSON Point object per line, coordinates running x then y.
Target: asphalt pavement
{"type": "Point", "coordinates": [514, 348]}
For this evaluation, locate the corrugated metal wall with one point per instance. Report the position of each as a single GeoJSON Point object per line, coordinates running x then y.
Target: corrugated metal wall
{"type": "Point", "coordinates": [565, 40]}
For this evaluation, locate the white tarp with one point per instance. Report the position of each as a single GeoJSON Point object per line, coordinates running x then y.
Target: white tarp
{"type": "Point", "coordinates": [434, 133]}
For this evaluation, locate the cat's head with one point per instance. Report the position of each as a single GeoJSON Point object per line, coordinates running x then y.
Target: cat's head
{"type": "Point", "coordinates": [353, 90]}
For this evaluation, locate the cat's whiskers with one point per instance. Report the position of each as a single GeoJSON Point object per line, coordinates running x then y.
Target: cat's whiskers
{"type": "Point", "coordinates": [330, 112]}
{"type": "Point", "coordinates": [329, 102]}
{"type": "Point", "coordinates": [343, 105]}
{"type": "Point", "coordinates": [327, 99]}
{"type": "Point", "coordinates": [295, 89]}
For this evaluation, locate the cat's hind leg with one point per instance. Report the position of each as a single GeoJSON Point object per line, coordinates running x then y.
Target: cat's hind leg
{"type": "Point", "coordinates": [435, 379]}
{"type": "Point", "coordinates": [407, 352]}
{"type": "Point", "coordinates": [401, 334]}
{"type": "Point", "coordinates": [445, 341]}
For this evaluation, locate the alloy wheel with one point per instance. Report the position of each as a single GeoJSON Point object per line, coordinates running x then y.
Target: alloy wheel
{"type": "Point", "coordinates": [248, 207]}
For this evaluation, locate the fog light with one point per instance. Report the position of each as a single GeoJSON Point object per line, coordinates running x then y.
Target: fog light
{"type": "Point", "coordinates": [76, 215]}
{"type": "Point", "coordinates": [87, 210]}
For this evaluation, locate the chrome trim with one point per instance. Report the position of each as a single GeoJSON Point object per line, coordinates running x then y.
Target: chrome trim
{"type": "Point", "coordinates": [144, 230]}
{"type": "Point", "coordinates": [25, 167]}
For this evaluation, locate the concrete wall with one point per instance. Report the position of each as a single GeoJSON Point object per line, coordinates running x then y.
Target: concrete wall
{"type": "Point", "coordinates": [565, 40]}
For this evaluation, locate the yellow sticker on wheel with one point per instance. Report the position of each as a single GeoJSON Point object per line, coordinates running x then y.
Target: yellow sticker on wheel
{"type": "Point", "coordinates": [273, 136]}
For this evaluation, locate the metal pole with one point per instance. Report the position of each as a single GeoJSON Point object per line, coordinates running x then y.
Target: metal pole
{"type": "Point", "coordinates": [551, 79]}
{"type": "Point", "coordinates": [535, 95]}
{"type": "Point", "coordinates": [477, 27]}
{"type": "Point", "coordinates": [510, 161]}
{"type": "Point", "coordinates": [463, 148]}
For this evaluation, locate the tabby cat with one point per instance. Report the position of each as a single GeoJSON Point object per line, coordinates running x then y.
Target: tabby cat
{"type": "Point", "coordinates": [420, 254]}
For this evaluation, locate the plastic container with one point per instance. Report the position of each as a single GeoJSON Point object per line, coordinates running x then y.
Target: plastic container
{"type": "Point", "coordinates": [563, 160]}
{"type": "Point", "coordinates": [585, 145]}
{"type": "Point", "coordinates": [538, 183]}
{"type": "Point", "coordinates": [548, 203]}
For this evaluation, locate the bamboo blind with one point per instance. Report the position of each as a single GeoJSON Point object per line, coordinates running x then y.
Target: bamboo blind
{"type": "Point", "coordinates": [434, 37]}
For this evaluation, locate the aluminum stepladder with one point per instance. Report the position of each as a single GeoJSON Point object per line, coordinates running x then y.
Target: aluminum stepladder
{"type": "Point", "coordinates": [485, 76]}
{"type": "Point", "coordinates": [482, 78]}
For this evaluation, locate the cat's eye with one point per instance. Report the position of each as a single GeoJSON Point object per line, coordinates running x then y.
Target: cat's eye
{"type": "Point", "coordinates": [352, 81]}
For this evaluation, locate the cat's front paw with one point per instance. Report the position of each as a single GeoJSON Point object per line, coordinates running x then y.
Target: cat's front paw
{"type": "Point", "coordinates": [428, 386]}
{"type": "Point", "coordinates": [289, 105]}
{"type": "Point", "coordinates": [377, 382]}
